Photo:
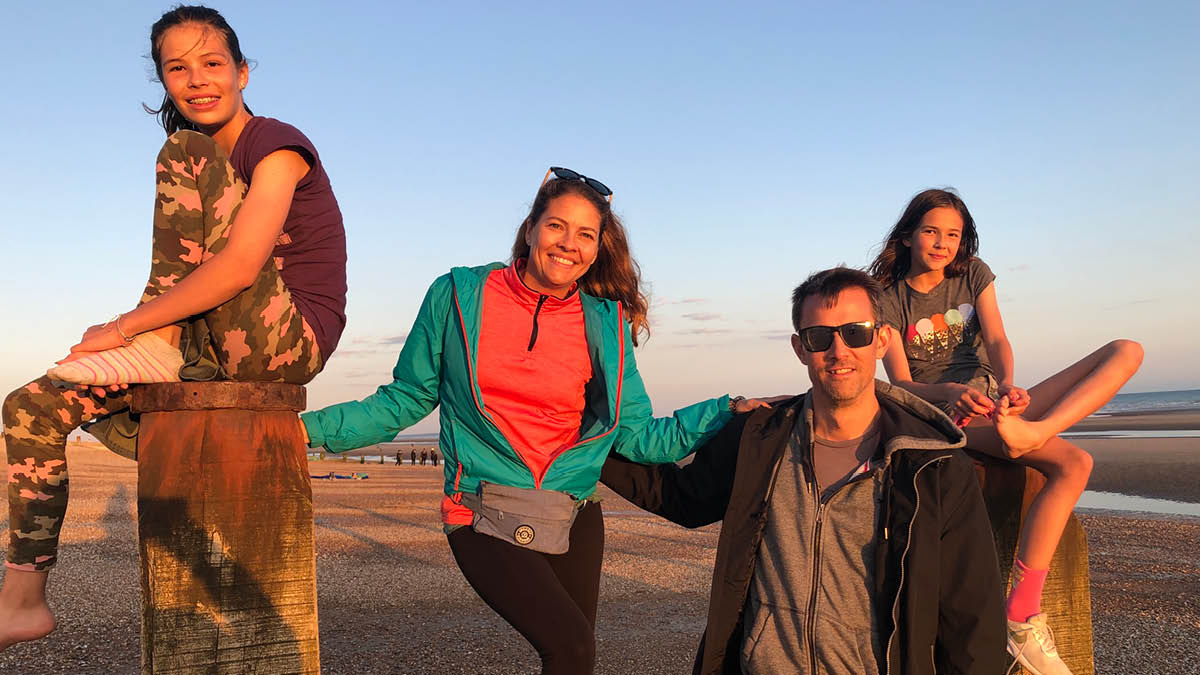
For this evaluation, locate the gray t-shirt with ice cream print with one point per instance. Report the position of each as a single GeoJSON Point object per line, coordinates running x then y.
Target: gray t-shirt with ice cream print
{"type": "Point", "coordinates": [940, 329]}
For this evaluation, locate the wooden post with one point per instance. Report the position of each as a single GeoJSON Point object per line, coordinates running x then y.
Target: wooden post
{"type": "Point", "coordinates": [225, 530]}
{"type": "Point", "coordinates": [1008, 489]}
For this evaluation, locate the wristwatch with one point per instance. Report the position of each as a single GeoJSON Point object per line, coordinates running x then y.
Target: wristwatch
{"type": "Point", "coordinates": [733, 401]}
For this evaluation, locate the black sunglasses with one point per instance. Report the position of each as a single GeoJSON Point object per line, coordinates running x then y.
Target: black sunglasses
{"type": "Point", "coordinates": [568, 174]}
{"type": "Point", "coordinates": [855, 335]}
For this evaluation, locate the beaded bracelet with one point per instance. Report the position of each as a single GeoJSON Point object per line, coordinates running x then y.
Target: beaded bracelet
{"type": "Point", "coordinates": [117, 320]}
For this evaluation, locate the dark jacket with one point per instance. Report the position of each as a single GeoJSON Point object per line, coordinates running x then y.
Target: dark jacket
{"type": "Point", "coordinates": [938, 594]}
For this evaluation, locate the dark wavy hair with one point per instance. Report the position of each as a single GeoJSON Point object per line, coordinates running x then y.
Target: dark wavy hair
{"type": "Point", "coordinates": [894, 258]}
{"type": "Point", "coordinates": [168, 115]}
{"type": "Point", "coordinates": [615, 275]}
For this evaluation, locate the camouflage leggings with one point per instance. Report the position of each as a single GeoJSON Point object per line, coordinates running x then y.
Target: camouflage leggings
{"type": "Point", "coordinates": [258, 335]}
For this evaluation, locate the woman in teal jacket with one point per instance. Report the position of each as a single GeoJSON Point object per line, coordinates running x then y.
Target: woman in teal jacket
{"type": "Point", "coordinates": [532, 364]}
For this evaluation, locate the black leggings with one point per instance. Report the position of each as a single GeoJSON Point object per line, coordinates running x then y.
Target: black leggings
{"type": "Point", "coordinates": [550, 599]}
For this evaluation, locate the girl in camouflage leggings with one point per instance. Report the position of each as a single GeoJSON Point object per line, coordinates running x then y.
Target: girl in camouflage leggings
{"type": "Point", "coordinates": [229, 219]}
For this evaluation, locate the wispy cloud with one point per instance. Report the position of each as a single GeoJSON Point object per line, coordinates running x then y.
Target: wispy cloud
{"type": "Point", "coordinates": [702, 316]}
{"type": "Point", "coordinates": [373, 341]}
{"type": "Point", "coordinates": [1023, 267]}
{"type": "Point", "coordinates": [350, 351]}
{"type": "Point", "coordinates": [681, 301]}
{"type": "Point", "coordinates": [704, 331]}
{"type": "Point", "coordinates": [1142, 301]}
{"type": "Point", "coordinates": [777, 335]}
{"type": "Point", "coordinates": [373, 375]}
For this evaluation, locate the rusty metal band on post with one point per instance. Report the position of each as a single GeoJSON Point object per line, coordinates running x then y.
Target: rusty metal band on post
{"type": "Point", "coordinates": [217, 396]}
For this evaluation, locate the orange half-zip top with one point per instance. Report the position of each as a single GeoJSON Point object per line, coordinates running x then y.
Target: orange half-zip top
{"type": "Point", "coordinates": [532, 365]}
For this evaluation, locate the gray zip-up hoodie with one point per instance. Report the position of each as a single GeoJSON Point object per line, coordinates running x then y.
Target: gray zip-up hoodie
{"type": "Point", "coordinates": [809, 605]}
{"type": "Point", "coordinates": [936, 595]}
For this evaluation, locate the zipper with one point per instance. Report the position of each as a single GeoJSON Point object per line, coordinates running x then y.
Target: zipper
{"type": "Point", "coordinates": [810, 628]}
{"type": "Point", "coordinates": [536, 310]}
{"type": "Point", "coordinates": [617, 412]}
{"type": "Point", "coordinates": [537, 480]}
{"type": "Point", "coordinates": [472, 382]}
{"type": "Point", "coordinates": [903, 556]}
{"type": "Point", "coordinates": [812, 597]}
{"type": "Point", "coordinates": [767, 501]}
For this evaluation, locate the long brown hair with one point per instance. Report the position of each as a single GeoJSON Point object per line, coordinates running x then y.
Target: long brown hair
{"type": "Point", "coordinates": [615, 275]}
{"type": "Point", "coordinates": [168, 115]}
{"type": "Point", "coordinates": [895, 258]}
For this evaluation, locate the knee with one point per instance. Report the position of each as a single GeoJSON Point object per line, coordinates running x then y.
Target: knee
{"type": "Point", "coordinates": [1127, 352]}
{"type": "Point", "coordinates": [1076, 466]}
{"type": "Point", "coordinates": [188, 146]}
{"type": "Point", "coordinates": [14, 403]}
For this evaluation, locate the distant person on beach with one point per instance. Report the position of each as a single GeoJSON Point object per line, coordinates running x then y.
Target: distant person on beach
{"type": "Point", "coordinates": [413, 459]}
{"type": "Point", "coordinates": [247, 239]}
{"type": "Point", "coordinates": [532, 365]}
{"type": "Point", "coordinates": [433, 457]}
{"type": "Point", "coordinates": [423, 456]}
{"type": "Point", "coordinates": [399, 460]}
{"type": "Point", "coordinates": [854, 537]}
{"type": "Point", "coordinates": [950, 348]}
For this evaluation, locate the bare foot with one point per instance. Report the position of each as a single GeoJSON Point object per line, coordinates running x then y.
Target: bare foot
{"type": "Point", "coordinates": [1020, 436]}
{"type": "Point", "coordinates": [24, 614]}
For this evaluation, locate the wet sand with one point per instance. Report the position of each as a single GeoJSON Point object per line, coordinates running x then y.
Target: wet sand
{"type": "Point", "coordinates": [1162, 468]}
{"type": "Point", "coordinates": [1174, 420]}
{"type": "Point", "coordinates": [392, 601]}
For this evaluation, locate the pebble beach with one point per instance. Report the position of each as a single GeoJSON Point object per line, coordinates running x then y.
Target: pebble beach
{"type": "Point", "coordinates": [392, 601]}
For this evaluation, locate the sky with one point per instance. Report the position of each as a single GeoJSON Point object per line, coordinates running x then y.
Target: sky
{"type": "Point", "coordinates": [747, 144]}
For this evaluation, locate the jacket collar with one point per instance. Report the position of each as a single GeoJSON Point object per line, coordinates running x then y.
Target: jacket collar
{"type": "Point", "coordinates": [906, 422]}
{"type": "Point", "coordinates": [527, 296]}
{"type": "Point", "coordinates": [603, 324]}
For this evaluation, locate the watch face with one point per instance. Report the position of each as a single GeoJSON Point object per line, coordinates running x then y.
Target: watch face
{"type": "Point", "coordinates": [523, 535]}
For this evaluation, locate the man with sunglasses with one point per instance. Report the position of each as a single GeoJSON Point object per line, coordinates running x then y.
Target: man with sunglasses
{"type": "Point", "coordinates": [854, 535]}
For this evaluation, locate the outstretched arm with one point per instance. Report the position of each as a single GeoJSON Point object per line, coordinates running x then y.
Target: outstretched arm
{"type": "Point", "coordinates": [644, 438]}
{"type": "Point", "coordinates": [694, 495]}
{"type": "Point", "coordinates": [411, 395]}
{"type": "Point", "coordinates": [252, 238]}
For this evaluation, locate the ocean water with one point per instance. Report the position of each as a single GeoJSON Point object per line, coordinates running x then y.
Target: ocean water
{"type": "Point", "coordinates": [1153, 401]}
{"type": "Point", "coordinates": [1112, 501]}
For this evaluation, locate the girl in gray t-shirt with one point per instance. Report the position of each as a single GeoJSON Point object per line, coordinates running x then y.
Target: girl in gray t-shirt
{"type": "Point", "coordinates": [953, 352]}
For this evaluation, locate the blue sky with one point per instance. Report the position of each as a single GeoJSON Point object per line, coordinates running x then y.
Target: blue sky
{"type": "Point", "coordinates": [747, 145]}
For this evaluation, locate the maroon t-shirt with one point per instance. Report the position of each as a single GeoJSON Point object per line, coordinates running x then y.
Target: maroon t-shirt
{"type": "Point", "coordinates": [311, 251]}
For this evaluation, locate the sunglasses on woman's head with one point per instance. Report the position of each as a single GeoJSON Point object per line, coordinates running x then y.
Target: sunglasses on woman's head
{"type": "Point", "coordinates": [855, 335]}
{"type": "Point", "coordinates": [568, 174]}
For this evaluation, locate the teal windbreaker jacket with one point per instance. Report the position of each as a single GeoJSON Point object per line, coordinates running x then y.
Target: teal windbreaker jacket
{"type": "Point", "coordinates": [437, 366]}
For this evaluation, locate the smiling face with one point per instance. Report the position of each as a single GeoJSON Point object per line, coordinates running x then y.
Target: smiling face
{"type": "Point", "coordinates": [935, 241]}
{"type": "Point", "coordinates": [202, 78]}
{"type": "Point", "coordinates": [840, 375]}
{"type": "Point", "coordinates": [563, 244]}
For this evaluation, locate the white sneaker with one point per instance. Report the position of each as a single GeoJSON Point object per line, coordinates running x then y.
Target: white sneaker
{"type": "Point", "coordinates": [1032, 645]}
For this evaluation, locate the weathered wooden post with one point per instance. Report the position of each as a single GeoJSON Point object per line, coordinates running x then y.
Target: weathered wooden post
{"type": "Point", "coordinates": [1008, 489]}
{"type": "Point", "coordinates": [225, 530]}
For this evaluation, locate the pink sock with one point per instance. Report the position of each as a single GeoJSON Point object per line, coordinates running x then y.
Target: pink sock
{"type": "Point", "coordinates": [1025, 598]}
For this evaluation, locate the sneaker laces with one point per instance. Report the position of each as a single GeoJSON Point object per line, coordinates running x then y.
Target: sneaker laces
{"type": "Point", "coordinates": [1044, 636]}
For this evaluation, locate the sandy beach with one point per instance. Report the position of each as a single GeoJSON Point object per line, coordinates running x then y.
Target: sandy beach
{"type": "Point", "coordinates": [392, 601]}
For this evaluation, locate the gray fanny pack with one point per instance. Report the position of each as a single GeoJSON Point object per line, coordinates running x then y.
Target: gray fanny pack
{"type": "Point", "coordinates": [536, 519]}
